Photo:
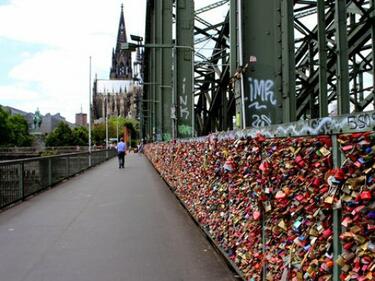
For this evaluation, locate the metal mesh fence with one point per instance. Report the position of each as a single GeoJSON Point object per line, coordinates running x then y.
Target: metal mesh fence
{"type": "Point", "coordinates": [22, 178]}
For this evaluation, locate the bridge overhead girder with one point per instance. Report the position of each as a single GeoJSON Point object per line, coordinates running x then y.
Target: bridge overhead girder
{"type": "Point", "coordinates": [334, 57]}
{"type": "Point", "coordinates": [307, 57]}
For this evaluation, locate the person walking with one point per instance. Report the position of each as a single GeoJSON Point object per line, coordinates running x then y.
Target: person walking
{"type": "Point", "coordinates": [121, 149]}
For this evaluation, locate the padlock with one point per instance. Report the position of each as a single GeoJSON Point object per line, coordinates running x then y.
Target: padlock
{"type": "Point", "coordinates": [366, 195]}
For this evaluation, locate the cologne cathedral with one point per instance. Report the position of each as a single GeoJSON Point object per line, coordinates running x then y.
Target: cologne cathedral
{"type": "Point", "coordinates": [119, 95]}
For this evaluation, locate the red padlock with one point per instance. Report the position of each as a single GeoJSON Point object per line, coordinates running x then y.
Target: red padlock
{"type": "Point", "coordinates": [327, 233]}
{"type": "Point", "coordinates": [347, 148]}
{"type": "Point", "coordinates": [366, 195]}
{"type": "Point", "coordinates": [256, 215]}
{"type": "Point", "coordinates": [316, 182]}
{"type": "Point", "coordinates": [339, 174]}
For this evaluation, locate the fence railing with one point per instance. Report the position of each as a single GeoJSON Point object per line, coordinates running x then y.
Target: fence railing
{"type": "Point", "coordinates": [57, 149]}
{"type": "Point", "coordinates": [22, 178]}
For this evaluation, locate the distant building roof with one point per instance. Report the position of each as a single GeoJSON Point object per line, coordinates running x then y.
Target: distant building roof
{"type": "Point", "coordinates": [17, 111]}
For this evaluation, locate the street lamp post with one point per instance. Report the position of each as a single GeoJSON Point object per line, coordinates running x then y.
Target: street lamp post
{"type": "Point", "coordinates": [117, 128]}
{"type": "Point", "coordinates": [106, 120]}
{"type": "Point", "coordinates": [89, 111]}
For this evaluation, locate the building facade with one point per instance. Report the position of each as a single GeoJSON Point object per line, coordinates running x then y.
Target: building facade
{"type": "Point", "coordinates": [81, 119]}
{"type": "Point", "coordinates": [121, 59]}
{"type": "Point", "coordinates": [120, 94]}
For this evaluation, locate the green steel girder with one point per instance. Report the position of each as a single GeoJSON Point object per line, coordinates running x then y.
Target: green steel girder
{"type": "Point", "coordinates": [211, 7]}
{"type": "Point", "coordinates": [184, 69]}
{"type": "Point", "coordinates": [211, 107]}
{"type": "Point", "coordinates": [209, 27]}
{"type": "Point", "coordinates": [328, 66]}
{"type": "Point", "coordinates": [215, 27]}
{"type": "Point", "coordinates": [358, 38]}
{"type": "Point", "coordinates": [288, 62]}
{"type": "Point", "coordinates": [342, 58]}
{"type": "Point", "coordinates": [323, 98]}
{"type": "Point", "coordinates": [267, 88]}
{"type": "Point", "coordinates": [158, 71]}
{"type": "Point", "coordinates": [166, 76]}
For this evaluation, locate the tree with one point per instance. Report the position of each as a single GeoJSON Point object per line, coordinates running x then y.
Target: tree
{"type": "Point", "coordinates": [61, 136]}
{"type": "Point", "coordinates": [4, 127]}
{"type": "Point", "coordinates": [80, 136]}
{"type": "Point", "coordinates": [19, 131]}
{"type": "Point", "coordinates": [98, 134]}
{"type": "Point", "coordinates": [14, 130]}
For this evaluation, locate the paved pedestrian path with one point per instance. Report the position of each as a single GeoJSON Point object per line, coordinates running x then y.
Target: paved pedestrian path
{"type": "Point", "coordinates": [107, 224]}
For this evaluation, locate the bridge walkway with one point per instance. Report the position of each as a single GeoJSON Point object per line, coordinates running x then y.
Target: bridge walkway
{"type": "Point", "coordinates": [107, 224]}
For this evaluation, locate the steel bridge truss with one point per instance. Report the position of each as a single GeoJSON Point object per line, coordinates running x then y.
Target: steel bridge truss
{"type": "Point", "coordinates": [214, 104]}
{"type": "Point", "coordinates": [328, 64]}
{"type": "Point", "coordinates": [316, 56]}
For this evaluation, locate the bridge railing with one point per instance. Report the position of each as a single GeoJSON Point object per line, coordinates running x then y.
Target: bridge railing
{"type": "Point", "coordinates": [22, 178]}
{"type": "Point", "coordinates": [57, 149]}
{"type": "Point", "coordinates": [286, 202]}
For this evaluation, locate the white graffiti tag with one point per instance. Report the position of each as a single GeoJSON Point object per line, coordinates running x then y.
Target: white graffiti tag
{"type": "Point", "coordinates": [261, 121]}
{"type": "Point", "coordinates": [184, 110]}
{"type": "Point", "coordinates": [262, 97]}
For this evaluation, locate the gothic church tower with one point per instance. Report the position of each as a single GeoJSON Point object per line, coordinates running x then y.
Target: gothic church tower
{"type": "Point", "coordinates": [121, 59]}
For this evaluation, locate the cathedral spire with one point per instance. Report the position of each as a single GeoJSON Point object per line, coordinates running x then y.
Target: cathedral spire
{"type": "Point", "coordinates": [121, 59]}
{"type": "Point", "coordinates": [121, 35]}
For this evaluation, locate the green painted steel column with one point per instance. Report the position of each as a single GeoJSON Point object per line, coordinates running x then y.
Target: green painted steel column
{"type": "Point", "coordinates": [261, 49]}
{"type": "Point", "coordinates": [151, 78]}
{"type": "Point", "coordinates": [323, 95]}
{"type": "Point", "coordinates": [234, 59]}
{"type": "Point", "coordinates": [166, 70]}
{"type": "Point", "coordinates": [337, 246]}
{"type": "Point", "coordinates": [288, 62]}
{"type": "Point", "coordinates": [158, 67]}
{"type": "Point", "coordinates": [184, 69]}
{"type": "Point", "coordinates": [343, 106]}
{"type": "Point", "coordinates": [146, 95]}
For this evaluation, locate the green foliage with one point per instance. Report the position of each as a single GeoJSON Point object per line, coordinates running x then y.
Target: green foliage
{"type": "Point", "coordinates": [61, 136]}
{"type": "Point", "coordinates": [4, 127]}
{"type": "Point", "coordinates": [48, 153]}
{"type": "Point", "coordinates": [13, 130]}
{"type": "Point", "coordinates": [19, 131]}
{"type": "Point", "coordinates": [134, 143]}
{"type": "Point", "coordinates": [98, 132]}
{"type": "Point", "coordinates": [81, 136]}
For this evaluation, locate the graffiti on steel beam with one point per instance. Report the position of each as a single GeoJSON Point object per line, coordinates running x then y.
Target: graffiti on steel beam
{"type": "Point", "coordinates": [262, 100]}
{"type": "Point", "coordinates": [184, 109]}
{"type": "Point", "coordinates": [185, 130]}
{"type": "Point", "coordinates": [356, 122]}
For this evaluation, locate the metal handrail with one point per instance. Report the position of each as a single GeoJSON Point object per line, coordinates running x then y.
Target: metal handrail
{"type": "Point", "coordinates": [24, 177]}
{"type": "Point", "coordinates": [15, 161]}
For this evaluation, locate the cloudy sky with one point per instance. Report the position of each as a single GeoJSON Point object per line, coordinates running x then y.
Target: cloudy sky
{"type": "Point", "coordinates": [45, 47]}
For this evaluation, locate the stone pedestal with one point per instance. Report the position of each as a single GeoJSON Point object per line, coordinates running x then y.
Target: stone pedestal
{"type": "Point", "coordinates": [38, 141]}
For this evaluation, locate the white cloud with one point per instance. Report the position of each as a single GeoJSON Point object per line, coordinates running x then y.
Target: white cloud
{"type": "Point", "coordinates": [71, 31]}
{"type": "Point", "coordinates": [9, 93]}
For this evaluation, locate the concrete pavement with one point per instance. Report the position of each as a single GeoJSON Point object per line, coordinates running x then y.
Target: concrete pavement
{"type": "Point", "coordinates": [107, 224]}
